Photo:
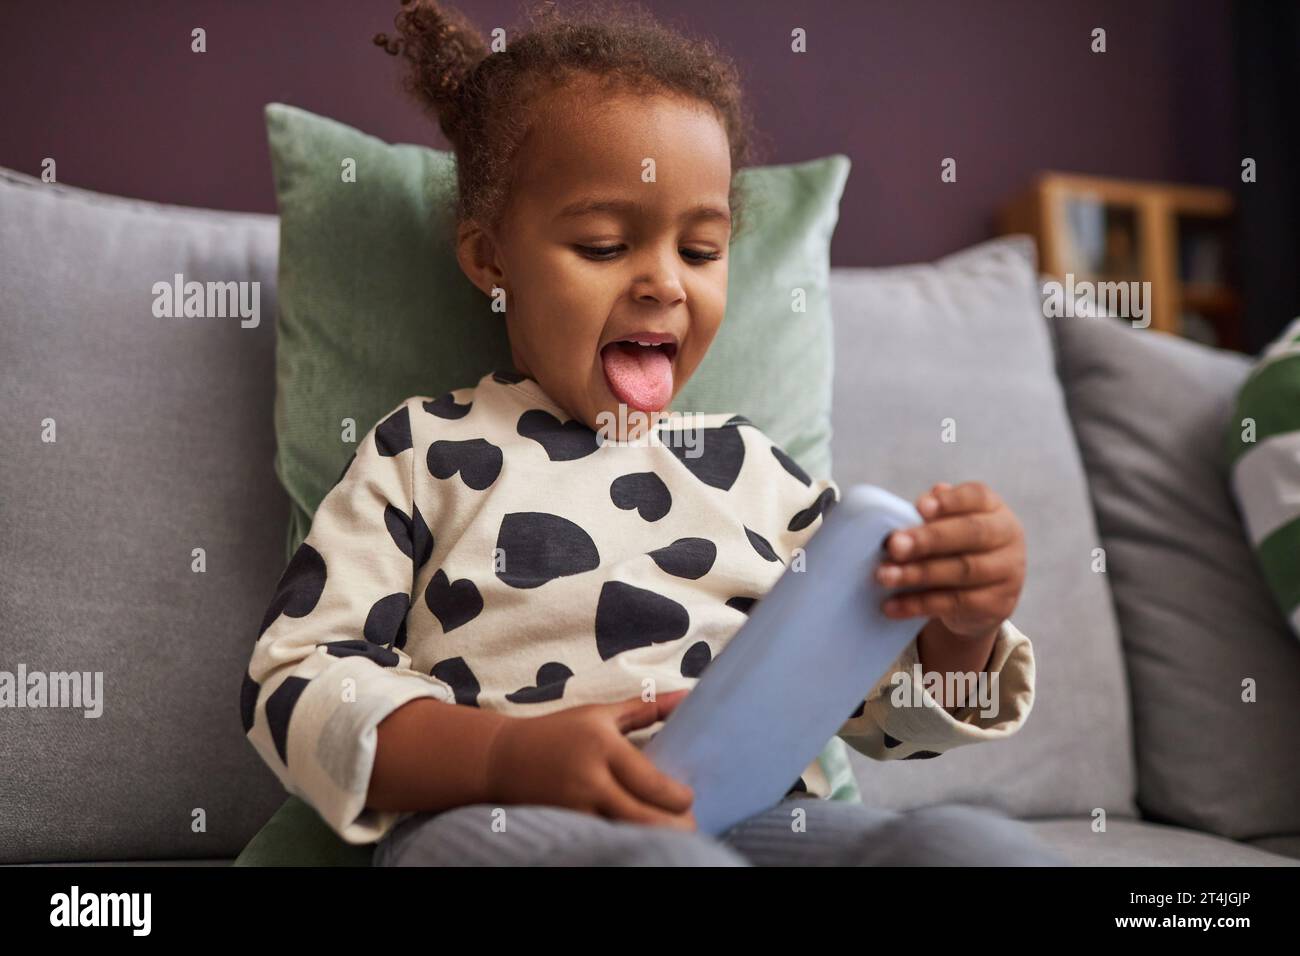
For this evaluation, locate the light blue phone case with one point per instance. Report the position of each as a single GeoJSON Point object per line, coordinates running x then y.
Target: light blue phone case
{"type": "Point", "coordinates": [789, 679]}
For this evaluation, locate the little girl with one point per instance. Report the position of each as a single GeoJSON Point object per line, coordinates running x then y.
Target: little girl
{"type": "Point", "coordinates": [512, 584]}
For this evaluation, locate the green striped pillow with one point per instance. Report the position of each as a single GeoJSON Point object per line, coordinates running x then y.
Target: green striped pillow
{"type": "Point", "coordinates": [1265, 466]}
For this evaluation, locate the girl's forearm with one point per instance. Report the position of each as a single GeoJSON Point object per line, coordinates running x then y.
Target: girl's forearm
{"type": "Point", "coordinates": [433, 756]}
{"type": "Point", "coordinates": [940, 650]}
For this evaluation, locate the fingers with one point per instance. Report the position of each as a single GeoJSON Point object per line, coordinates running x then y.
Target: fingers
{"type": "Point", "coordinates": [969, 496]}
{"type": "Point", "coordinates": [668, 702]}
{"type": "Point", "coordinates": [928, 503]}
{"type": "Point", "coordinates": [964, 570]}
{"type": "Point", "coordinates": [643, 780]}
{"type": "Point", "coordinates": [634, 713]}
{"type": "Point", "coordinates": [965, 562]}
{"type": "Point", "coordinates": [638, 790]}
{"type": "Point", "coordinates": [952, 535]}
{"type": "Point", "coordinates": [982, 602]}
{"type": "Point", "coordinates": [618, 804]}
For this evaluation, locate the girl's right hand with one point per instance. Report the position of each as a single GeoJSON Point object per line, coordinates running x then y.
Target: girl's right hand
{"type": "Point", "coordinates": [580, 758]}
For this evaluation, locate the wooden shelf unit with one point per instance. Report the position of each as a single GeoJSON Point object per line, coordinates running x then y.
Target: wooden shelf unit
{"type": "Point", "coordinates": [1156, 209]}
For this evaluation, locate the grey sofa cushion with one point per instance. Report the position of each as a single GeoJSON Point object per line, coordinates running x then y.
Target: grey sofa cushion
{"type": "Point", "coordinates": [1151, 411]}
{"type": "Point", "coordinates": [1284, 845]}
{"type": "Point", "coordinates": [1139, 843]}
{"type": "Point", "coordinates": [965, 338]}
{"type": "Point", "coordinates": [164, 444]}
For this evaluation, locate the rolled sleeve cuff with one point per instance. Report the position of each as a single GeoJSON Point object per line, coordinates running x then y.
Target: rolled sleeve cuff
{"type": "Point", "coordinates": [901, 719]}
{"type": "Point", "coordinates": [333, 737]}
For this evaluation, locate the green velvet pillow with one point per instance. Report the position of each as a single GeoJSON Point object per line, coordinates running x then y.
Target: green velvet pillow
{"type": "Point", "coordinates": [373, 308]}
{"type": "Point", "coordinates": [297, 836]}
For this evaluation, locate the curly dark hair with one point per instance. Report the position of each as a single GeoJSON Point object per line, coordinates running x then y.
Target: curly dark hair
{"type": "Point", "coordinates": [481, 98]}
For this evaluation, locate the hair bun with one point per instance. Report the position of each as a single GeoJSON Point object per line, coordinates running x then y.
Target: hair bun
{"type": "Point", "coordinates": [442, 49]}
{"type": "Point", "coordinates": [392, 45]}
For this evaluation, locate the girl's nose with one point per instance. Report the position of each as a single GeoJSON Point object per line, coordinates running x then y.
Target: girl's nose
{"type": "Point", "coordinates": [658, 279]}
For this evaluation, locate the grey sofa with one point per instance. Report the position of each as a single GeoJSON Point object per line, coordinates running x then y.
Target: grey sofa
{"type": "Point", "coordinates": [144, 542]}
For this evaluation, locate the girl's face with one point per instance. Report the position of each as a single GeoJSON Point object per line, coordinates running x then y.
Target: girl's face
{"type": "Point", "coordinates": [617, 228]}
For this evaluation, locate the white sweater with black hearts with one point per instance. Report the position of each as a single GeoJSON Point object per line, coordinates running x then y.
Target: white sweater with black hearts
{"type": "Point", "coordinates": [487, 550]}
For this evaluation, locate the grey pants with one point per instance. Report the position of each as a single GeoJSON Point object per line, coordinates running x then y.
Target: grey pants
{"type": "Point", "coordinates": [830, 833]}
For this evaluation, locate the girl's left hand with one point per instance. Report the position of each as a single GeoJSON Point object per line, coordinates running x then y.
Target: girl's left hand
{"type": "Point", "coordinates": [968, 559]}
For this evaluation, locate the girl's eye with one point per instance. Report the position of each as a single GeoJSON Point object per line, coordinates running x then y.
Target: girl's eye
{"type": "Point", "coordinates": [702, 256]}
{"type": "Point", "coordinates": [605, 253]}
{"type": "Point", "coordinates": [598, 252]}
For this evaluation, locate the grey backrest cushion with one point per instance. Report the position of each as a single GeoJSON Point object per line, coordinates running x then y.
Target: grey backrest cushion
{"type": "Point", "coordinates": [965, 338]}
{"type": "Point", "coordinates": [163, 444]}
{"type": "Point", "coordinates": [1198, 620]}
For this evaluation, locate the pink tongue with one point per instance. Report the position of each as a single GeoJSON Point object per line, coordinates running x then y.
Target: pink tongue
{"type": "Point", "coordinates": [641, 378]}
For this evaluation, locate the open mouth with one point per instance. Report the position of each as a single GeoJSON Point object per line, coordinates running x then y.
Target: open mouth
{"type": "Point", "coordinates": [639, 370]}
{"type": "Point", "coordinates": [633, 348]}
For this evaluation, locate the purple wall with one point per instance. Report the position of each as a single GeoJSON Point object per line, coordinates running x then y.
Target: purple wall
{"type": "Point", "coordinates": [1007, 87]}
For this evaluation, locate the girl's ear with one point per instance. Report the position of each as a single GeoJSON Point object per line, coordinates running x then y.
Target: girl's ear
{"type": "Point", "coordinates": [476, 251]}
